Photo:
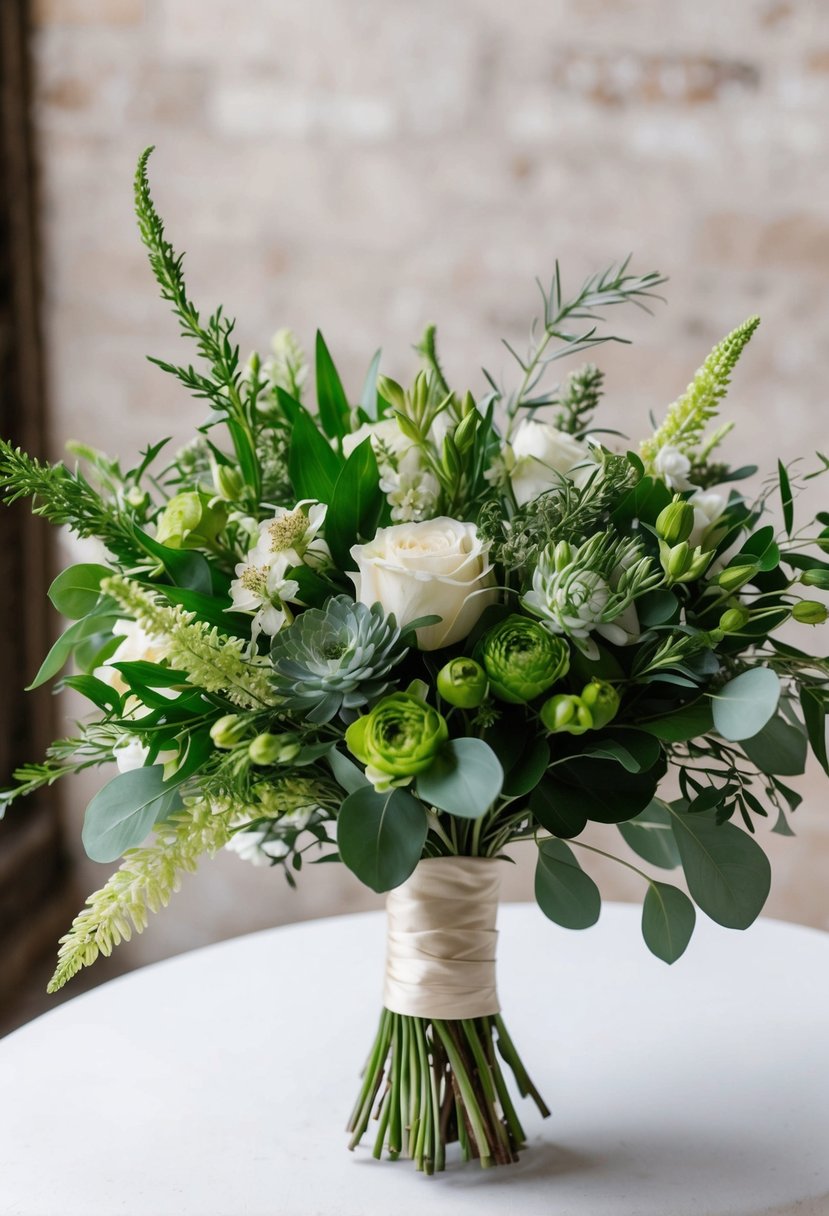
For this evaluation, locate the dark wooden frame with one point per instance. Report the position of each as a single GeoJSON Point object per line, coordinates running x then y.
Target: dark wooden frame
{"type": "Point", "coordinates": [33, 895]}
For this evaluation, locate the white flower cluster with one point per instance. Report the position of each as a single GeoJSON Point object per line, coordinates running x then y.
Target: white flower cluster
{"type": "Point", "coordinates": [263, 584]}
{"type": "Point", "coordinates": [412, 491]}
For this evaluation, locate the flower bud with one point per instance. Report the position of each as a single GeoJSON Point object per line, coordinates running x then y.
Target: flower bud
{"type": "Point", "coordinates": [602, 700]}
{"type": "Point", "coordinates": [734, 619]}
{"type": "Point", "coordinates": [227, 481]}
{"type": "Point", "coordinates": [810, 612]}
{"type": "Point", "coordinates": [817, 577]}
{"type": "Point", "coordinates": [463, 682]}
{"type": "Point", "coordinates": [733, 577]}
{"type": "Point", "coordinates": [136, 498]}
{"type": "Point", "coordinates": [566, 713]}
{"type": "Point", "coordinates": [273, 749]}
{"type": "Point", "coordinates": [226, 732]}
{"type": "Point", "coordinates": [675, 522]}
{"type": "Point", "coordinates": [190, 519]}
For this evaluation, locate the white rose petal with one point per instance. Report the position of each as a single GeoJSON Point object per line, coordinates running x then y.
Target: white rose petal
{"type": "Point", "coordinates": [708, 507]}
{"type": "Point", "coordinates": [542, 456]}
{"type": "Point", "coordinates": [436, 568]}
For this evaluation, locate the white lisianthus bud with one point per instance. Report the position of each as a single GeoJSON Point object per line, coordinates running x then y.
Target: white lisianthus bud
{"type": "Point", "coordinates": [542, 455]}
{"type": "Point", "coordinates": [439, 568]}
{"type": "Point", "coordinates": [708, 507]}
{"type": "Point", "coordinates": [673, 467]}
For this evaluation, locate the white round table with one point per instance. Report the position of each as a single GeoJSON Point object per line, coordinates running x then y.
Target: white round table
{"type": "Point", "coordinates": [218, 1083]}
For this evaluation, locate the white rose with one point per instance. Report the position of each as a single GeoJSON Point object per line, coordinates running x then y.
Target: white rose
{"type": "Point", "coordinates": [542, 456]}
{"type": "Point", "coordinates": [673, 467]}
{"type": "Point", "coordinates": [436, 568]}
{"type": "Point", "coordinates": [708, 507]}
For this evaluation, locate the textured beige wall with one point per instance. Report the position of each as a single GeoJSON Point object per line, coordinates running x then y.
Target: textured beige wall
{"type": "Point", "coordinates": [371, 167]}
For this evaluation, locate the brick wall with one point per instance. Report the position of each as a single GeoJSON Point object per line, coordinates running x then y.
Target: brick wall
{"type": "Point", "coordinates": [369, 168]}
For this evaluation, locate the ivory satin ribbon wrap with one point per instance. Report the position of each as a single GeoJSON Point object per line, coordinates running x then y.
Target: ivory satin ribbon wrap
{"type": "Point", "coordinates": [440, 960]}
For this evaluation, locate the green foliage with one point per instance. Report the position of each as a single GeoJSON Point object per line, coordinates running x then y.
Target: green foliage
{"type": "Point", "coordinates": [650, 835]}
{"type": "Point", "coordinates": [745, 704]}
{"type": "Point", "coordinates": [144, 883]}
{"type": "Point", "coordinates": [464, 779]}
{"type": "Point", "coordinates": [381, 836]}
{"type": "Point", "coordinates": [564, 893]}
{"type": "Point", "coordinates": [668, 920]}
{"type": "Point", "coordinates": [727, 872]}
{"type": "Point", "coordinates": [121, 814]}
{"type": "Point", "coordinates": [355, 505]}
{"type": "Point", "coordinates": [687, 418]}
{"type": "Point", "coordinates": [580, 399]}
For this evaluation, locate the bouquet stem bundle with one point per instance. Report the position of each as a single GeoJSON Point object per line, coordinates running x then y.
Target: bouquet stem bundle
{"type": "Point", "coordinates": [432, 1082]}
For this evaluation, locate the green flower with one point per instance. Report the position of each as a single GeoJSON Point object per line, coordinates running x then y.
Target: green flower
{"type": "Point", "coordinates": [398, 738]}
{"type": "Point", "coordinates": [335, 659]}
{"type": "Point", "coordinates": [462, 682]}
{"type": "Point", "coordinates": [190, 519]}
{"type": "Point", "coordinates": [522, 658]}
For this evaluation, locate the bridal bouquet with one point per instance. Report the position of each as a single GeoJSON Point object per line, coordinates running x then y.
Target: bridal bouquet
{"type": "Point", "coordinates": [406, 629]}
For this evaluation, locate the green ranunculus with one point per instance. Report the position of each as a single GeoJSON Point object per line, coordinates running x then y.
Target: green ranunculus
{"type": "Point", "coordinates": [400, 736]}
{"type": "Point", "coordinates": [462, 682]}
{"type": "Point", "coordinates": [567, 713]}
{"type": "Point", "coordinates": [522, 658]}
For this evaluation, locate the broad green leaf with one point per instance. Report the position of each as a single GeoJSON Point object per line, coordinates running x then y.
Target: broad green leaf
{"type": "Point", "coordinates": [77, 590]}
{"type": "Point", "coordinates": [346, 772]}
{"type": "Point", "coordinates": [368, 398]}
{"type": "Point", "coordinates": [780, 747]}
{"type": "Point", "coordinates": [650, 835]}
{"type": "Point", "coordinates": [761, 547]}
{"type": "Point", "coordinates": [61, 652]}
{"type": "Point", "coordinates": [528, 769]}
{"type": "Point", "coordinates": [565, 894]}
{"type": "Point", "coordinates": [668, 919]}
{"type": "Point", "coordinates": [313, 464]}
{"type": "Point", "coordinates": [331, 399]}
{"type": "Point", "coordinates": [657, 607]}
{"type": "Point", "coordinates": [633, 749]}
{"type": "Point", "coordinates": [355, 505]}
{"type": "Point", "coordinates": [95, 690]}
{"type": "Point", "coordinates": [690, 722]}
{"type": "Point", "coordinates": [745, 704]}
{"type": "Point", "coordinates": [602, 792]}
{"type": "Point", "coordinates": [121, 814]}
{"type": "Point", "coordinates": [465, 779]}
{"type": "Point", "coordinates": [381, 836]}
{"type": "Point", "coordinates": [185, 567]}
{"type": "Point", "coordinates": [727, 872]}
{"type": "Point", "coordinates": [814, 715]}
{"type": "Point", "coordinates": [562, 816]}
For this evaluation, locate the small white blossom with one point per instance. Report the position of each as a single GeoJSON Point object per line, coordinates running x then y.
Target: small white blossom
{"type": "Point", "coordinates": [253, 846]}
{"type": "Point", "coordinates": [137, 646]}
{"type": "Point", "coordinates": [673, 466]}
{"type": "Point", "coordinates": [708, 507]}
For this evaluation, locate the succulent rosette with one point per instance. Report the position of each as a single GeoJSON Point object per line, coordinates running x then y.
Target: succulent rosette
{"type": "Point", "coordinates": [522, 659]}
{"type": "Point", "coordinates": [405, 627]}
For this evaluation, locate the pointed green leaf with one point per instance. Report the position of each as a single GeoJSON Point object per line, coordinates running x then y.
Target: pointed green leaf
{"type": "Point", "coordinates": [786, 497]}
{"type": "Point", "coordinates": [668, 919]}
{"type": "Point", "coordinates": [368, 398]}
{"type": "Point", "coordinates": [814, 715]}
{"type": "Point", "coordinates": [565, 894]}
{"type": "Point", "coordinates": [331, 399]}
{"type": "Point", "coordinates": [61, 652]}
{"type": "Point", "coordinates": [355, 505]}
{"type": "Point", "coordinates": [313, 464]}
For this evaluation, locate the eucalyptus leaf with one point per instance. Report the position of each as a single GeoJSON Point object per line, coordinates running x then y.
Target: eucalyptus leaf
{"type": "Point", "coordinates": [780, 747]}
{"type": "Point", "coordinates": [381, 836]}
{"type": "Point", "coordinates": [563, 817]}
{"type": "Point", "coordinates": [464, 779]}
{"type": "Point", "coordinates": [745, 704]}
{"type": "Point", "coordinates": [690, 722]}
{"type": "Point", "coordinates": [346, 772]}
{"type": "Point", "coordinates": [565, 894]}
{"type": "Point", "coordinates": [121, 814]}
{"type": "Point", "coordinates": [668, 919]}
{"type": "Point", "coordinates": [650, 835]}
{"type": "Point", "coordinates": [526, 772]}
{"type": "Point", "coordinates": [77, 590]}
{"type": "Point", "coordinates": [727, 872]}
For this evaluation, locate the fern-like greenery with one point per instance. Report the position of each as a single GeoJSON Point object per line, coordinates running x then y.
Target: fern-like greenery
{"type": "Point", "coordinates": [689, 415]}
{"type": "Point", "coordinates": [144, 882]}
{"type": "Point", "coordinates": [213, 661]}
{"type": "Point", "coordinates": [64, 497]}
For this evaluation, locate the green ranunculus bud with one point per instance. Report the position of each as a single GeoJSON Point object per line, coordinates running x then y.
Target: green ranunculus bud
{"type": "Point", "coordinates": [734, 619]}
{"type": "Point", "coordinates": [273, 749]}
{"type": "Point", "coordinates": [190, 519]}
{"type": "Point", "coordinates": [226, 732]}
{"type": "Point", "coordinates": [810, 612]}
{"type": "Point", "coordinates": [400, 736]}
{"type": "Point", "coordinates": [675, 522]}
{"type": "Point", "coordinates": [733, 577]}
{"type": "Point", "coordinates": [602, 700]}
{"type": "Point", "coordinates": [816, 578]}
{"type": "Point", "coordinates": [566, 712]}
{"type": "Point", "coordinates": [227, 481]}
{"type": "Point", "coordinates": [522, 658]}
{"type": "Point", "coordinates": [462, 682]}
